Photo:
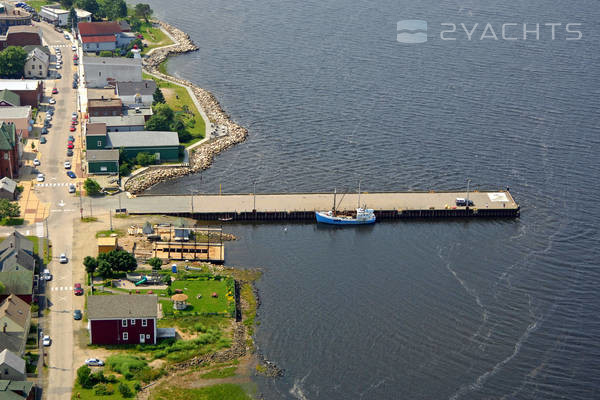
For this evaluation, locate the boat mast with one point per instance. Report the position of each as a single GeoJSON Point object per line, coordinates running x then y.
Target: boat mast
{"type": "Point", "coordinates": [334, 193]}
{"type": "Point", "coordinates": [358, 193]}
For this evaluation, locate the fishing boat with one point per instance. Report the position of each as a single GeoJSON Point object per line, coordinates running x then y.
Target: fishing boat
{"type": "Point", "coordinates": [363, 215]}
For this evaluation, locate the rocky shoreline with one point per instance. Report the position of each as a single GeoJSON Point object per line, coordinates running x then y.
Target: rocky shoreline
{"type": "Point", "coordinates": [202, 156]}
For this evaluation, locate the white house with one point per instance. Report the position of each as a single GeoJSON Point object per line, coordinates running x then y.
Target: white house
{"type": "Point", "coordinates": [106, 71]}
{"type": "Point", "coordinates": [136, 93]}
{"type": "Point", "coordinates": [54, 14]}
{"type": "Point", "coordinates": [36, 65]}
{"type": "Point", "coordinates": [12, 367]}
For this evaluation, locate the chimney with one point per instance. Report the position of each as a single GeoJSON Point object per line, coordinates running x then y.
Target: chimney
{"type": "Point", "coordinates": [4, 327]}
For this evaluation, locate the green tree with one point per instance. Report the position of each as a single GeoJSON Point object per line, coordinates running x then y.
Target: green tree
{"type": "Point", "coordinates": [158, 123]}
{"type": "Point", "coordinates": [182, 132]}
{"type": "Point", "coordinates": [91, 187]}
{"type": "Point", "coordinates": [83, 377]}
{"type": "Point", "coordinates": [124, 169]}
{"type": "Point", "coordinates": [125, 390]}
{"type": "Point", "coordinates": [143, 10]}
{"type": "Point", "coordinates": [72, 21]}
{"type": "Point", "coordinates": [66, 3]}
{"type": "Point", "coordinates": [89, 5]}
{"type": "Point", "coordinates": [90, 264]}
{"type": "Point", "coordinates": [2, 287]}
{"type": "Point", "coordinates": [114, 261]}
{"type": "Point", "coordinates": [105, 269]}
{"type": "Point", "coordinates": [12, 62]}
{"type": "Point", "coordinates": [158, 97]}
{"type": "Point", "coordinates": [155, 263]}
{"type": "Point", "coordinates": [114, 9]}
{"type": "Point", "coordinates": [9, 209]}
{"type": "Point", "coordinates": [144, 159]}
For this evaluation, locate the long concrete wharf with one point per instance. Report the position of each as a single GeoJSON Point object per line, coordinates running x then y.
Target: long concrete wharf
{"type": "Point", "coordinates": [301, 206]}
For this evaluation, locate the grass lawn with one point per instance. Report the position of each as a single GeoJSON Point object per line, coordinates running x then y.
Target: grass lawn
{"type": "Point", "coordinates": [219, 373]}
{"type": "Point", "coordinates": [47, 256]}
{"type": "Point", "coordinates": [107, 233]}
{"type": "Point", "coordinates": [81, 393]}
{"type": "Point", "coordinates": [223, 304]}
{"type": "Point", "coordinates": [37, 4]}
{"type": "Point", "coordinates": [179, 100]}
{"type": "Point", "coordinates": [154, 36]}
{"type": "Point", "coordinates": [215, 392]}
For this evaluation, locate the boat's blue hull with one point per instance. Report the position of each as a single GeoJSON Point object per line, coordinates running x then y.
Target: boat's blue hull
{"type": "Point", "coordinates": [326, 219]}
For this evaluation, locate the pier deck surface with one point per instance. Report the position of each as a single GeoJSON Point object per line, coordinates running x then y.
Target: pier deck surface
{"type": "Point", "coordinates": [299, 202]}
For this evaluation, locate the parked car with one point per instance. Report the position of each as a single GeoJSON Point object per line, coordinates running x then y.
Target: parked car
{"type": "Point", "coordinates": [74, 86]}
{"type": "Point", "coordinates": [50, 111]}
{"type": "Point", "coordinates": [77, 315]}
{"type": "Point", "coordinates": [75, 57]}
{"type": "Point", "coordinates": [43, 140]}
{"type": "Point", "coordinates": [67, 36]}
{"type": "Point", "coordinates": [75, 62]}
{"type": "Point", "coordinates": [69, 153]}
{"type": "Point", "coordinates": [463, 202]}
{"type": "Point", "coordinates": [58, 66]}
{"type": "Point", "coordinates": [70, 146]}
{"type": "Point", "coordinates": [44, 131]}
{"type": "Point", "coordinates": [46, 341]}
{"type": "Point", "coordinates": [71, 138]}
{"type": "Point", "coordinates": [94, 362]}
{"type": "Point", "coordinates": [63, 258]}
{"type": "Point", "coordinates": [77, 289]}
{"type": "Point", "coordinates": [48, 117]}
{"type": "Point", "coordinates": [71, 174]}
{"type": "Point", "coordinates": [36, 162]}
{"type": "Point", "coordinates": [52, 101]}
{"type": "Point", "coordinates": [72, 188]}
{"type": "Point", "coordinates": [40, 177]}
{"type": "Point", "coordinates": [54, 90]}
{"type": "Point", "coordinates": [58, 76]}
{"type": "Point", "coordinates": [74, 48]}
{"type": "Point", "coordinates": [67, 165]}
{"type": "Point", "coordinates": [46, 275]}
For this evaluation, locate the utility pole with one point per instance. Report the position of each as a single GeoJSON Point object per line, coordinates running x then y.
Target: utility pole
{"type": "Point", "coordinates": [110, 218]}
{"type": "Point", "coordinates": [254, 192]}
{"type": "Point", "coordinates": [47, 238]}
{"type": "Point", "coordinates": [80, 201]}
{"type": "Point", "coordinates": [468, 183]}
{"type": "Point", "coordinates": [91, 211]}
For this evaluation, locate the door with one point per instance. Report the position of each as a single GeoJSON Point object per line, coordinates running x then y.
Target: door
{"type": "Point", "coordinates": [142, 338]}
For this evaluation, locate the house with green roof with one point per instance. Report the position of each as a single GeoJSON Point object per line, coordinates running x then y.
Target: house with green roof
{"type": "Point", "coordinates": [16, 390]}
{"type": "Point", "coordinates": [9, 151]}
{"type": "Point", "coordinates": [9, 99]}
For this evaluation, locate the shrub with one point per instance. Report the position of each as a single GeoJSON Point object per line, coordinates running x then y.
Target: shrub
{"type": "Point", "coordinates": [102, 389]}
{"type": "Point", "coordinates": [125, 390]}
{"type": "Point", "coordinates": [137, 387]}
{"type": "Point", "coordinates": [106, 53]}
{"type": "Point", "coordinates": [126, 364]}
{"type": "Point", "coordinates": [83, 377]}
{"type": "Point", "coordinates": [155, 263]}
{"type": "Point", "coordinates": [124, 169]}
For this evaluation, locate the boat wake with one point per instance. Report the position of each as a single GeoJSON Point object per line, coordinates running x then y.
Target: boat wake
{"type": "Point", "coordinates": [296, 389]}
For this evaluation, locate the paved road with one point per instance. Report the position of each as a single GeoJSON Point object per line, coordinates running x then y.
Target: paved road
{"type": "Point", "coordinates": [63, 207]}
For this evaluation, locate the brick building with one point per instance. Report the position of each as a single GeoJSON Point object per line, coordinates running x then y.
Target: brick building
{"type": "Point", "coordinates": [11, 16]}
{"type": "Point", "coordinates": [23, 35]}
{"type": "Point", "coordinates": [30, 92]}
{"type": "Point", "coordinates": [9, 151]}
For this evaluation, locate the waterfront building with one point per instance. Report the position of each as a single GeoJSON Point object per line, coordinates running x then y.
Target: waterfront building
{"type": "Point", "coordinates": [21, 35]}
{"type": "Point", "coordinates": [100, 72]}
{"type": "Point", "coordinates": [56, 15]}
{"type": "Point", "coordinates": [135, 94]}
{"type": "Point", "coordinates": [122, 319]}
{"type": "Point", "coordinates": [102, 162]}
{"type": "Point", "coordinates": [104, 107]}
{"type": "Point", "coordinates": [37, 63]}
{"type": "Point", "coordinates": [99, 36]}
{"type": "Point", "coordinates": [122, 123]}
{"type": "Point", "coordinates": [11, 16]}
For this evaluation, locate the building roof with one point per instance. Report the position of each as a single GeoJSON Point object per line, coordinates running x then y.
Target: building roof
{"type": "Point", "coordinates": [142, 139]}
{"type": "Point", "coordinates": [12, 389]}
{"type": "Point", "coordinates": [11, 359]}
{"type": "Point", "coordinates": [16, 310]}
{"type": "Point", "coordinates": [102, 155]}
{"type": "Point", "coordinates": [122, 306]}
{"type": "Point", "coordinates": [125, 27]}
{"type": "Point", "coordinates": [144, 111]}
{"type": "Point", "coordinates": [30, 47]}
{"type": "Point", "coordinates": [16, 253]}
{"type": "Point", "coordinates": [55, 8]}
{"type": "Point", "coordinates": [18, 241]}
{"type": "Point", "coordinates": [82, 14]}
{"type": "Point", "coordinates": [111, 61]}
{"type": "Point", "coordinates": [98, 28]}
{"type": "Point", "coordinates": [99, 39]}
{"type": "Point", "coordinates": [144, 88]}
{"type": "Point", "coordinates": [107, 240]}
{"type": "Point", "coordinates": [118, 120]}
{"type": "Point", "coordinates": [95, 129]}
{"type": "Point", "coordinates": [7, 136]}
{"type": "Point", "coordinates": [19, 84]}
{"type": "Point", "coordinates": [10, 97]}
{"type": "Point", "coordinates": [18, 282]}
{"type": "Point", "coordinates": [8, 184]}
{"type": "Point", "coordinates": [39, 54]}
{"type": "Point", "coordinates": [15, 112]}
{"type": "Point", "coordinates": [23, 29]}
{"type": "Point", "coordinates": [98, 103]}
{"type": "Point", "coordinates": [94, 93]}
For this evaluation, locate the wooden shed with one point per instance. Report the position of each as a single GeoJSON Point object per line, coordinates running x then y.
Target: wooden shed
{"type": "Point", "coordinates": [106, 244]}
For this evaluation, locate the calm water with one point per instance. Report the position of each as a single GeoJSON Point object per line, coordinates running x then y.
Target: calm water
{"type": "Point", "coordinates": [413, 310]}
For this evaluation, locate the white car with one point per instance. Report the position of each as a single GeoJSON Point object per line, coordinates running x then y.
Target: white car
{"type": "Point", "coordinates": [74, 48]}
{"type": "Point", "coordinates": [94, 362]}
{"type": "Point", "coordinates": [46, 341]}
{"type": "Point", "coordinates": [72, 188]}
{"type": "Point", "coordinates": [52, 101]}
{"type": "Point", "coordinates": [41, 177]}
{"type": "Point", "coordinates": [48, 117]}
{"type": "Point", "coordinates": [67, 165]}
{"type": "Point", "coordinates": [57, 48]}
{"type": "Point", "coordinates": [63, 258]}
{"type": "Point", "coordinates": [36, 162]}
{"type": "Point", "coordinates": [58, 66]}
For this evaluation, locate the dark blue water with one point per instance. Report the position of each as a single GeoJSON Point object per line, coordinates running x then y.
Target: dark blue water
{"type": "Point", "coordinates": [413, 310]}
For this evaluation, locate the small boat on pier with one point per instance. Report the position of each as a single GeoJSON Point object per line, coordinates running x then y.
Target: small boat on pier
{"type": "Point", "coordinates": [363, 215]}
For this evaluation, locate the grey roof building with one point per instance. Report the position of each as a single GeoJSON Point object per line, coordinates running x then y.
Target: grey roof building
{"type": "Point", "coordinates": [15, 317]}
{"type": "Point", "coordinates": [16, 252]}
{"type": "Point", "coordinates": [119, 123]}
{"type": "Point", "coordinates": [103, 71]}
{"type": "Point", "coordinates": [142, 138]}
{"type": "Point", "coordinates": [145, 87]}
{"type": "Point", "coordinates": [12, 366]}
{"type": "Point", "coordinates": [122, 306]}
{"type": "Point", "coordinates": [102, 155]}
{"type": "Point", "coordinates": [8, 187]}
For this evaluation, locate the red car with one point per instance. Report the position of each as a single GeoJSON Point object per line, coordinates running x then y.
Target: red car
{"type": "Point", "coordinates": [54, 90]}
{"type": "Point", "coordinates": [72, 128]}
{"type": "Point", "coordinates": [75, 57]}
{"type": "Point", "coordinates": [77, 289]}
{"type": "Point", "coordinates": [70, 146]}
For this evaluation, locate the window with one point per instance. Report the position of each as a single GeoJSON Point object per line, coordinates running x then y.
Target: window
{"type": "Point", "coordinates": [99, 143]}
{"type": "Point", "coordinates": [124, 323]}
{"type": "Point", "coordinates": [132, 322]}
{"type": "Point", "coordinates": [32, 66]}
{"type": "Point", "coordinates": [144, 322]}
{"type": "Point", "coordinates": [105, 169]}
{"type": "Point", "coordinates": [40, 66]}
{"type": "Point", "coordinates": [99, 73]}
{"type": "Point", "coordinates": [147, 336]}
{"type": "Point", "coordinates": [125, 336]}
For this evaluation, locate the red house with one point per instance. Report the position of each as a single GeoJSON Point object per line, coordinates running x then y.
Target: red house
{"type": "Point", "coordinates": [122, 319]}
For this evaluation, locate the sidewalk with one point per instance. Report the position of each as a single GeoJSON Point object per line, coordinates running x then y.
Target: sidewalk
{"type": "Point", "coordinates": [32, 209]}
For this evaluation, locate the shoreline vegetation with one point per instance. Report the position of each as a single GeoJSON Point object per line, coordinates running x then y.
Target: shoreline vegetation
{"type": "Point", "coordinates": [201, 156]}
